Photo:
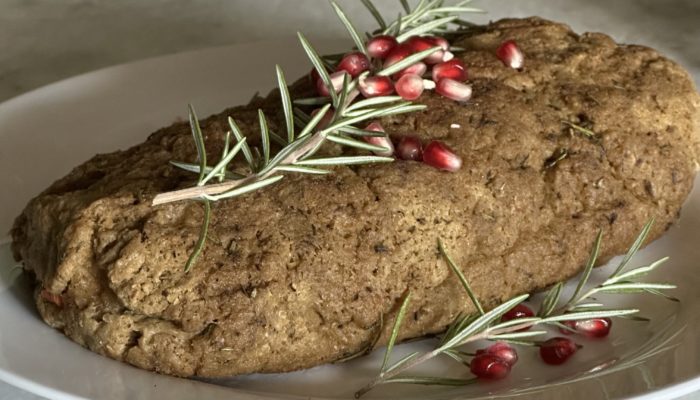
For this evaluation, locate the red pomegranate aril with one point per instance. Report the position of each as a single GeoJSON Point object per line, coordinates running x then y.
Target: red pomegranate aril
{"type": "Point", "coordinates": [374, 127]}
{"type": "Point", "coordinates": [382, 141]}
{"type": "Point", "coordinates": [336, 80]}
{"type": "Point", "coordinates": [314, 76]}
{"type": "Point", "coordinates": [354, 64]}
{"type": "Point", "coordinates": [397, 54]}
{"type": "Point", "coordinates": [502, 350]}
{"type": "Point", "coordinates": [418, 68]}
{"type": "Point", "coordinates": [453, 69]}
{"type": "Point", "coordinates": [517, 312]}
{"type": "Point", "coordinates": [440, 41]}
{"type": "Point", "coordinates": [592, 328]}
{"type": "Point", "coordinates": [419, 43]}
{"type": "Point", "coordinates": [380, 46]}
{"type": "Point", "coordinates": [453, 89]}
{"type": "Point", "coordinates": [488, 366]}
{"type": "Point", "coordinates": [438, 155]}
{"type": "Point", "coordinates": [409, 87]}
{"type": "Point", "coordinates": [374, 86]}
{"type": "Point", "coordinates": [409, 148]}
{"type": "Point", "coordinates": [510, 54]}
{"type": "Point", "coordinates": [558, 350]}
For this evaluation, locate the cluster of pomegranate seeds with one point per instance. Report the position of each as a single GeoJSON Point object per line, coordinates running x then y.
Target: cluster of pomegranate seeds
{"type": "Point", "coordinates": [409, 83]}
{"type": "Point", "coordinates": [410, 148]}
{"type": "Point", "coordinates": [446, 74]}
{"type": "Point", "coordinates": [592, 328]}
{"type": "Point", "coordinates": [494, 362]}
{"type": "Point", "coordinates": [557, 350]}
{"type": "Point", "coordinates": [510, 54]}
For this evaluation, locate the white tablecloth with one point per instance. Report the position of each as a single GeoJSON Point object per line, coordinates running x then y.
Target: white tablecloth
{"type": "Point", "coordinates": [46, 40]}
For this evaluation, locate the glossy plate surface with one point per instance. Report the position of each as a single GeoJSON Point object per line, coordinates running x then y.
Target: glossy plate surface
{"type": "Point", "coordinates": [44, 133]}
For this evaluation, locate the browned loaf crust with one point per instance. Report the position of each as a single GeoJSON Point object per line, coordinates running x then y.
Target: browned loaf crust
{"type": "Point", "coordinates": [297, 274]}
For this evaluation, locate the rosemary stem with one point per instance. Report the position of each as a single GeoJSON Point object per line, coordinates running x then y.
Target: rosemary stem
{"type": "Point", "coordinates": [573, 302]}
{"type": "Point", "coordinates": [198, 191]}
{"type": "Point", "coordinates": [386, 375]}
{"type": "Point", "coordinates": [214, 189]}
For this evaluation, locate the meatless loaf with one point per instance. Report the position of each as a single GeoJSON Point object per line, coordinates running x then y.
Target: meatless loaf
{"type": "Point", "coordinates": [298, 274]}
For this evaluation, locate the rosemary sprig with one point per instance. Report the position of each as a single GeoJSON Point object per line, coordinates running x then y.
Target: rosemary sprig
{"type": "Point", "coordinates": [359, 43]}
{"type": "Point", "coordinates": [486, 326]}
{"type": "Point", "coordinates": [298, 149]}
{"type": "Point", "coordinates": [428, 16]}
{"type": "Point", "coordinates": [619, 282]}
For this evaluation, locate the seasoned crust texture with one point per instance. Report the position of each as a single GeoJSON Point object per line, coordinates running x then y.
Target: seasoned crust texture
{"type": "Point", "coordinates": [298, 274]}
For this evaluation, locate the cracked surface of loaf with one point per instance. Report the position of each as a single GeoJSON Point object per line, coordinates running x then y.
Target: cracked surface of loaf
{"type": "Point", "coordinates": [298, 274]}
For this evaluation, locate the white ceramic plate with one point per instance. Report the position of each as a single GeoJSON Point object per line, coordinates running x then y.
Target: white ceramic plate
{"type": "Point", "coordinates": [44, 133]}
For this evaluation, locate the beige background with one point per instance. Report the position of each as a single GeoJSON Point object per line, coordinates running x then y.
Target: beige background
{"type": "Point", "coordinates": [42, 41]}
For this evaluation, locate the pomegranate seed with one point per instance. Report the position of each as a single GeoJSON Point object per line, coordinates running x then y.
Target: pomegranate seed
{"type": "Point", "coordinates": [409, 87]}
{"type": "Point", "coordinates": [453, 69]}
{"type": "Point", "coordinates": [375, 127]}
{"type": "Point", "coordinates": [382, 141]}
{"type": "Point", "coordinates": [440, 41]}
{"type": "Point", "coordinates": [380, 46]}
{"type": "Point", "coordinates": [314, 76]}
{"type": "Point", "coordinates": [419, 43]}
{"type": "Point", "coordinates": [502, 350]}
{"type": "Point", "coordinates": [593, 328]}
{"type": "Point", "coordinates": [336, 80]}
{"type": "Point", "coordinates": [410, 148]}
{"type": "Point", "coordinates": [517, 312]}
{"type": "Point", "coordinates": [397, 54]}
{"type": "Point", "coordinates": [374, 86]}
{"type": "Point", "coordinates": [556, 351]}
{"type": "Point", "coordinates": [453, 90]}
{"type": "Point", "coordinates": [354, 64]}
{"type": "Point", "coordinates": [510, 54]}
{"type": "Point", "coordinates": [51, 297]}
{"type": "Point", "coordinates": [418, 68]}
{"type": "Point", "coordinates": [488, 366]}
{"type": "Point", "coordinates": [438, 155]}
